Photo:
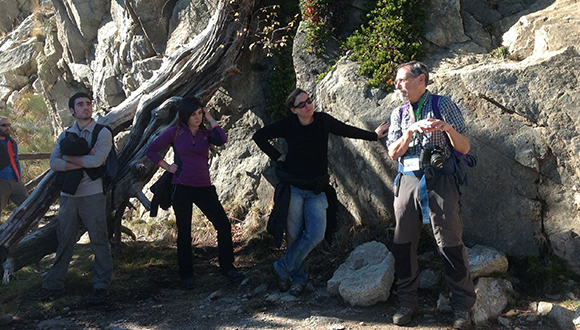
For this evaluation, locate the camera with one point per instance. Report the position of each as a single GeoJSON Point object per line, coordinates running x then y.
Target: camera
{"type": "Point", "coordinates": [434, 157]}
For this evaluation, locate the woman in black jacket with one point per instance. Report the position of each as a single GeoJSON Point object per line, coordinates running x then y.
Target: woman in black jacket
{"type": "Point", "coordinates": [305, 169]}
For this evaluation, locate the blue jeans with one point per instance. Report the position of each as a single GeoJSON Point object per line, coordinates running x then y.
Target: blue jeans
{"type": "Point", "coordinates": [305, 228]}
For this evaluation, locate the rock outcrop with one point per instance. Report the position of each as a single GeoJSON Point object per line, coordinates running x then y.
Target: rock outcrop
{"type": "Point", "coordinates": [522, 113]}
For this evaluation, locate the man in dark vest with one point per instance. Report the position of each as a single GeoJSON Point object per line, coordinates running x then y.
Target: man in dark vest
{"type": "Point", "coordinates": [82, 203]}
{"type": "Point", "coordinates": [424, 134]}
{"type": "Point", "coordinates": [11, 186]}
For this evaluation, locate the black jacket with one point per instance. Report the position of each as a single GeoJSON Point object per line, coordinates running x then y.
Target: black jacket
{"type": "Point", "coordinates": [162, 192]}
{"type": "Point", "coordinates": [73, 145]}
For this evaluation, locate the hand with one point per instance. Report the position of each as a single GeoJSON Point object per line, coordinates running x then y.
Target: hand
{"type": "Point", "coordinates": [206, 114]}
{"type": "Point", "coordinates": [92, 152]}
{"type": "Point", "coordinates": [436, 125]}
{"type": "Point", "coordinates": [421, 126]}
{"type": "Point", "coordinates": [382, 130]}
{"type": "Point", "coordinates": [172, 168]}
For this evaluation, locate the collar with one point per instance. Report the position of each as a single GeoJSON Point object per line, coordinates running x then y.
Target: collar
{"type": "Point", "coordinates": [90, 127]}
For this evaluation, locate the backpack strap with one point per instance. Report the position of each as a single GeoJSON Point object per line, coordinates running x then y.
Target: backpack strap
{"type": "Point", "coordinates": [96, 131]}
{"type": "Point", "coordinates": [435, 106]}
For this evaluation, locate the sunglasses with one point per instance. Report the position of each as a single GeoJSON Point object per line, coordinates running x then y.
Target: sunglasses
{"type": "Point", "coordinates": [303, 103]}
{"type": "Point", "coordinates": [5, 125]}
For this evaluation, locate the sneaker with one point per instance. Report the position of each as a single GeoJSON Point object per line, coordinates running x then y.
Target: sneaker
{"type": "Point", "coordinates": [187, 283]}
{"type": "Point", "coordinates": [462, 320]}
{"type": "Point", "coordinates": [45, 294]}
{"type": "Point", "coordinates": [234, 276]}
{"type": "Point", "coordinates": [296, 289]}
{"type": "Point", "coordinates": [404, 315]}
{"type": "Point", "coordinates": [99, 295]}
{"type": "Point", "coordinates": [283, 285]}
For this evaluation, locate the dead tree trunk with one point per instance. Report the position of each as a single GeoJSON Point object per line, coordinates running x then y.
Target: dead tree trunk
{"type": "Point", "coordinates": [196, 69]}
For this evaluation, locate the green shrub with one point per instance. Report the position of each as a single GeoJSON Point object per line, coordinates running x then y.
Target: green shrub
{"type": "Point", "coordinates": [313, 15]}
{"type": "Point", "coordinates": [503, 53]}
{"type": "Point", "coordinates": [391, 36]}
{"type": "Point", "coordinates": [542, 274]}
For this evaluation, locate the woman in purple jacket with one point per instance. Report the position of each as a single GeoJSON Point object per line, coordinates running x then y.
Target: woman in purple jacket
{"type": "Point", "coordinates": [192, 184]}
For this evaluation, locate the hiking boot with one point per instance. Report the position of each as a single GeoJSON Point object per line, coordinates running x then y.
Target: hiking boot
{"type": "Point", "coordinates": [99, 295]}
{"type": "Point", "coordinates": [404, 315]}
{"type": "Point", "coordinates": [187, 283]}
{"type": "Point", "coordinates": [462, 320]}
{"type": "Point", "coordinates": [283, 285]}
{"type": "Point", "coordinates": [234, 276]}
{"type": "Point", "coordinates": [296, 289]}
{"type": "Point", "coordinates": [45, 294]}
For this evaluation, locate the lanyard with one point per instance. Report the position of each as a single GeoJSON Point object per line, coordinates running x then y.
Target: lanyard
{"type": "Point", "coordinates": [419, 108]}
{"type": "Point", "coordinates": [417, 114]}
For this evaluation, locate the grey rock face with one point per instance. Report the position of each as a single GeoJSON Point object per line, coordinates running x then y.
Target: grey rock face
{"type": "Point", "coordinates": [491, 299]}
{"type": "Point", "coordinates": [365, 278]}
{"type": "Point", "coordinates": [445, 25]}
{"type": "Point", "coordinates": [484, 261]}
{"type": "Point", "coordinates": [566, 245]}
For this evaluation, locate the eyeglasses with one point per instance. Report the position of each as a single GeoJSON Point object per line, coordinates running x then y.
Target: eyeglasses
{"type": "Point", "coordinates": [303, 103]}
{"type": "Point", "coordinates": [403, 80]}
{"type": "Point", "coordinates": [5, 125]}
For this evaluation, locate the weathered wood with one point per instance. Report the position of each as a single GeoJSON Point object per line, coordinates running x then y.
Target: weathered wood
{"type": "Point", "coordinates": [30, 185]}
{"type": "Point", "coordinates": [42, 155]}
{"type": "Point", "coordinates": [196, 69]}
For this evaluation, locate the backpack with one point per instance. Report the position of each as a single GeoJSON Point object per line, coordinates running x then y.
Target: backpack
{"type": "Point", "coordinates": [109, 169]}
{"type": "Point", "coordinates": [462, 161]}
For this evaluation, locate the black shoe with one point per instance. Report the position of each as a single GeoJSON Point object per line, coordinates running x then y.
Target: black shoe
{"type": "Point", "coordinates": [99, 295]}
{"type": "Point", "coordinates": [187, 283]}
{"type": "Point", "coordinates": [404, 315]}
{"type": "Point", "coordinates": [462, 320]}
{"type": "Point", "coordinates": [45, 294]}
{"type": "Point", "coordinates": [283, 285]}
{"type": "Point", "coordinates": [296, 289]}
{"type": "Point", "coordinates": [234, 276]}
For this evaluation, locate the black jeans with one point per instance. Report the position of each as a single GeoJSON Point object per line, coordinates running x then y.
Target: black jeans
{"type": "Point", "coordinates": [207, 200]}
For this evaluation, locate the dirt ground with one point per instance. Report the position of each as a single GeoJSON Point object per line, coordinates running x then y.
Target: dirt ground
{"type": "Point", "coordinates": [255, 304]}
{"type": "Point", "coordinates": [151, 298]}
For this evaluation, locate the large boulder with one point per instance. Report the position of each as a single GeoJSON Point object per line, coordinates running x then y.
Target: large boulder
{"type": "Point", "coordinates": [492, 298]}
{"type": "Point", "coordinates": [366, 276]}
{"type": "Point", "coordinates": [563, 317]}
{"type": "Point", "coordinates": [484, 261]}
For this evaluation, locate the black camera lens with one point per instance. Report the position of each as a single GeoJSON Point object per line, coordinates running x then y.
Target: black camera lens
{"type": "Point", "coordinates": [437, 160]}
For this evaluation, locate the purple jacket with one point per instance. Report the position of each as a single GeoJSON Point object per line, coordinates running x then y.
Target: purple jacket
{"type": "Point", "coordinates": [191, 153]}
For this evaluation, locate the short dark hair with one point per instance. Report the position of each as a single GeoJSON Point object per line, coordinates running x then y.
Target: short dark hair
{"type": "Point", "coordinates": [291, 98]}
{"type": "Point", "coordinates": [71, 101]}
{"type": "Point", "coordinates": [187, 106]}
{"type": "Point", "coordinates": [416, 68]}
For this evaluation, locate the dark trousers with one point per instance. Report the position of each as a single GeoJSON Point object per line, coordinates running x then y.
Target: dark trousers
{"type": "Point", "coordinates": [447, 227]}
{"type": "Point", "coordinates": [206, 199]}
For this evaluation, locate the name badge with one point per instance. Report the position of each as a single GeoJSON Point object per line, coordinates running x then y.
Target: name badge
{"type": "Point", "coordinates": [411, 164]}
